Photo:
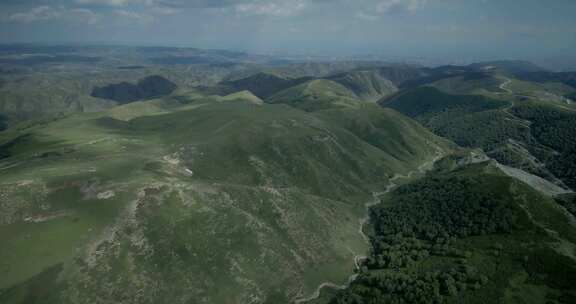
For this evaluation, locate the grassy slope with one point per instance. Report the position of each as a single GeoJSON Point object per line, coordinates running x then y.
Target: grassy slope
{"type": "Point", "coordinates": [314, 95]}
{"type": "Point", "coordinates": [474, 83]}
{"type": "Point", "coordinates": [253, 198]}
{"type": "Point", "coordinates": [367, 85]}
{"type": "Point", "coordinates": [33, 93]}
{"type": "Point", "coordinates": [489, 84]}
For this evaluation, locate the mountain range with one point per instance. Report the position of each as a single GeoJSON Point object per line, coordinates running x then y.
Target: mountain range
{"type": "Point", "coordinates": [192, 176]}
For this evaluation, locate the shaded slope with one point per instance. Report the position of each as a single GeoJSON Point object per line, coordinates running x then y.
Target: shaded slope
{"type": "Point", "coordinates": [150, 87]}
{"type": "Point", "coordinates": [264, 84]}
{"type": "Point", "coordinates": [469, 83]}
{"type": "Point", "coordinates": [568, 78]}
{"type": "Point", "coordinates": [430, 101]}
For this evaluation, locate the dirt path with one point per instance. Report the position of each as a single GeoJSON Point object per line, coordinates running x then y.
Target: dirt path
{"type": "Point", "coordinates": [363, 221]}
{"type": "Point", "coordinates": [504, 86]}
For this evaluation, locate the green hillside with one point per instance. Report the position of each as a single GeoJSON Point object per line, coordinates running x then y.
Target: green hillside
{"type": "Point", "coordinates": [471, 235]}
{"type": "Point", "coordinates": [469, 83]}
{"type": "Point", "coordinates": [367, 85]}
{"type": "Point", "coordinates": [428, 101]}
{"type": "Point", "coordinates": [173, 204]}
{"type": "Point", "coordinates": [532, 135]}
{"type": "Point", "coordinates": [317, 95]}
{"type": "Point", "coordinates": [256, 179]}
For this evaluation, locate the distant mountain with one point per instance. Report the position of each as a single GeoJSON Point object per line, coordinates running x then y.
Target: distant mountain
{"type": "Point", "coordinates": [367, 85]}
{"type": "Point", "coordinates": [508, 66]}
{"type": "Point", "coordinates": [402, 74]}
{"type": "Point", "coordinates": [146, 88]}
{"type": "Point", "coordinates": [323, 69]}
{"type": "Point", "coordinates": [412, 76]}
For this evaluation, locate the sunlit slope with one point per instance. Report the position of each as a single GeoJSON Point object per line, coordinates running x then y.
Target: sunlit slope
{"type": "Point", "coordinates": [367, 85]}
{"type": "Point", "coordinates": [495, 85]}
{"type": "Point", "coordinates": [213, 202]}
{"type": "Point", "coordinates": [319, 94]}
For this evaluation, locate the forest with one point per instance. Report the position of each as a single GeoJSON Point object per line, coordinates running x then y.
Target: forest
{"type": "Point", "coordinates": [447, 238]}
{"type": "Point", "coordinates": [556, 129]}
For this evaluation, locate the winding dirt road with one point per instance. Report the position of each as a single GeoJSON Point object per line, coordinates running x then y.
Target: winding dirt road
{"type": "Point", "coordinates": [504, 86]}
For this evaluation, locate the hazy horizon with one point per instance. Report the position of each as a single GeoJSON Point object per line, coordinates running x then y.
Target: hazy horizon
{"type": "Point", "coordinates": [454, 30]}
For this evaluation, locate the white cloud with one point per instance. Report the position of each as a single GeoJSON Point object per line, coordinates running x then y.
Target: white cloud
{"type": "Point", "coordinates": [48, 13]}
{"type": "Point", "coordinates": [104, 2]}
{"type": "Point", "coordinates": [132, 16]}
{"type": "Point", "coordinates": [85, 15]}
{"type": "Point", "coordinates": [163, 10]}
{"type": "Point", "coordinates": [39, 13]}
{"type": "Point", "coordinates": [390, 7]}
{"type": "Point", "coordinates": [271, 8]}
{"type": "Point", "coordinates": [400, 6]}
{"type": "Point", "coordinates": [367, 17]}
{"type": "Point", "coordinates": [115, 3]}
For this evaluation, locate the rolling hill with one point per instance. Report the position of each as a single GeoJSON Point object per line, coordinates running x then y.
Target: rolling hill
{"type": "Point", "coordinates": [318, 94]}
{"type": "Point", "coordinates": [478, 83]}
{"type": "Point", "coordinates": [221, 177]}
{"type": "Point", "coordinates": [173, 203]}
{"type": "Point", "coordinates": [367, 85]}
{"type": "Point", "coordinates": [524, 133]}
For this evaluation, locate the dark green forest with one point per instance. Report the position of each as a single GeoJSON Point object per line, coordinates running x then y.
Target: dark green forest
{"type": "Point", "coordinates": [556, 129]}
{"type": "Point", "coordinates": [455, 237]}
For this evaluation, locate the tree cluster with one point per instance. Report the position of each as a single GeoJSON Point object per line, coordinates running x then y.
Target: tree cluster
{"type": "Point", "coordinates": [431, 287]}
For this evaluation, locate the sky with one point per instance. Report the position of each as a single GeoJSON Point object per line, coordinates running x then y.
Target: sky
{"type": "Point", "coordinates": [426, 28]}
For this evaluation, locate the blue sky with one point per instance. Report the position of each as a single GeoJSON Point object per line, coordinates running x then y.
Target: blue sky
{"type": "Point", "coordinates": [443, 28]}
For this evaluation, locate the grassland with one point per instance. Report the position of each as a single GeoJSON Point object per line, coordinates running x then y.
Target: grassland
{"type": "Point", "coordinates": [318, 94]}
{"type": "Point", "coordinates": [124, 205]}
